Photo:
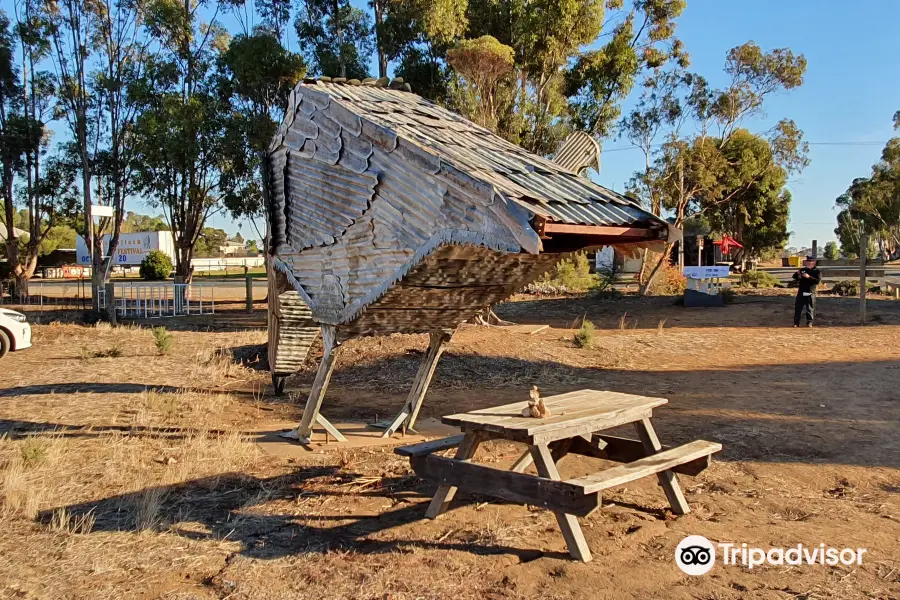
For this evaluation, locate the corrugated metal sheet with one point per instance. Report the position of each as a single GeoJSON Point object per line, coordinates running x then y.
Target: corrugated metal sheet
{"type": "Point", "coordinates": [578, 152]}
{"type": "Point", "coordinates": [540, 185]}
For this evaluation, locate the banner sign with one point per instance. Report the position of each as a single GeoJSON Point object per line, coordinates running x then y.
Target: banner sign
{"type": "Point", "coordinates": [133, 247]}
{"type": "Point", "coordinates": [711, 272]}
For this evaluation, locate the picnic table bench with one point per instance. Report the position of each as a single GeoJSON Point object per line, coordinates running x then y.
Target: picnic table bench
{"type": "Point", "coordinates": [573, 428]}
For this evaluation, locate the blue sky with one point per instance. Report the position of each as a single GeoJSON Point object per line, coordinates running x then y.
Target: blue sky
{"type": "Point", "coordinates": [845, 107]}
{"type": "Point", "coordinates": [850, 93]}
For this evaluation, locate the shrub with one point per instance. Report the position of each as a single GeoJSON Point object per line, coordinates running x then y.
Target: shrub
{"type": "Point", "coordinates": [584, 337]}
{"type": "Point", "coordinates": [668, 281]}
{"type": "Point", "coordinates": [163, 339]}
{"type": "Point", "coordinates": [759, 279]}
{"type": "Point", "coordinates": [572, 274]}
{"type": "Point", "coordinates": [850, 287]}
{"type": "Point", "coordinates": [156, 266]}
{"type": "Point", "coordinates": [728, 295]}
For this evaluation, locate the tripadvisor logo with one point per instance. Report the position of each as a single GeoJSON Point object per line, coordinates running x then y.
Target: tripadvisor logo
{"type": "Point", "coordinates": [696, 555]}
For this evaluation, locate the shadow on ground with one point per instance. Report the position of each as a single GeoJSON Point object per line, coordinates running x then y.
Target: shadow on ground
{"type": "Point", "coordinates": [224, 507]}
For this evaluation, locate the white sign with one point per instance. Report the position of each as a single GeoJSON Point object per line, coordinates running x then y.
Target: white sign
{"type": "Point", "coordinates": [711, 272]}
{"type": "Point", "coordinates": [99, 210]}
{"type": "Point", "coordinates": [132, 249]}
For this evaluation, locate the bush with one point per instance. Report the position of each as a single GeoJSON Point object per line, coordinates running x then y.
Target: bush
{"type": "Point", "coordinates": [759, 279]}
{"type": "Point", "coordinates": [850, 287]}
{"type": "Point", "coordinates": [584, 337]}
{"type": "Point", "coordinates": [668, 281]}
{"type": "Point", "coordinates": [572, 274]}
{"type": "Point", "coordinates": [163, 339]}
{"type": "Point", "coordinates": [156, 266]}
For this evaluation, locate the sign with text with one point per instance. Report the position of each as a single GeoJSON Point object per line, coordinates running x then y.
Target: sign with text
{"type": "Point", "coordinates": [711, 272]}
{"type": "Point", "coordinates": [133, 247]}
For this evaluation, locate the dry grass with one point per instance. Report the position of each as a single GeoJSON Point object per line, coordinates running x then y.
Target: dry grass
{"type": "Point", "coordinates": [135, 476]}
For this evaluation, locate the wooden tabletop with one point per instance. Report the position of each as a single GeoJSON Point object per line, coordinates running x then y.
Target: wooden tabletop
{"type": "Point", "coordinates": [573, 413]}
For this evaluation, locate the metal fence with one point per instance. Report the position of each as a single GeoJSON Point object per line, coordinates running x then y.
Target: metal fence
{"type": "Point", "coordinates": [154, 301]}
{"type": "Point", "coordinates": [132, 300]}
{"type": "Point", "coordinates": [69, 295]}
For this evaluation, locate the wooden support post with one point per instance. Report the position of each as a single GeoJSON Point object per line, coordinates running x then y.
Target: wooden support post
{"type": "Point", "coordinates": [410, 411]}
{"type": "Point", "coordinates": [863, 259]}
{"type": "Point", "coordinates": [320, 384]}
{"type": "Point", "coordinates": [667, 479]}
{"type": "Point", "coordinates": [445, 493]}
{"type": "Point", "coordinates": [522, 463]}
{"type": "Point", "coordinates": [249, 286]}
{"type": "Point", "coordinates": [571, 530]}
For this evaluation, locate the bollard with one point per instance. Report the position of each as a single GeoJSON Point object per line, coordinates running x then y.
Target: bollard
{"type": "Point", "coordinates": [249, 282]}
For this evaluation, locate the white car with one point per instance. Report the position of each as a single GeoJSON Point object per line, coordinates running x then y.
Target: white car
{"type": "Point", "coordinates": [15, 332]}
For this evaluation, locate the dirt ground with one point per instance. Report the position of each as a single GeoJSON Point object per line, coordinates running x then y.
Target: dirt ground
{"type": "Point", "coordinates": [125, 474]}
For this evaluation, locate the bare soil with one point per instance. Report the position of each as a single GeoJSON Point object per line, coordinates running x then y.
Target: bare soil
{"type": "Point", "coordinates": [126, 474]}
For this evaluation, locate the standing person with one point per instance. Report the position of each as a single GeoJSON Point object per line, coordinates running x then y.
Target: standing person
{"type": "Point", "coordinates": [807, 279]}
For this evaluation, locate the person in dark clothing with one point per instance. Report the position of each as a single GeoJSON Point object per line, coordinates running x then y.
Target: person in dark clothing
{"type": "Point", "coordinates": [807, 279]}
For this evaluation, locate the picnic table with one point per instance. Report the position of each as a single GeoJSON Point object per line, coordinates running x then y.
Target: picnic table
{"type": "Point", "coordinates": [573, 428]}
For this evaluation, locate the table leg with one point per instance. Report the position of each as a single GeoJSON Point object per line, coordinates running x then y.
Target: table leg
{"type": "Point", "coordinates": [559, 450]}
{"type": "Point", "coordinates": [667, 479]}
{"type": "Point", "coordinates": [445, 493]}
{"type": "Point", "coordinates": [571, 530]}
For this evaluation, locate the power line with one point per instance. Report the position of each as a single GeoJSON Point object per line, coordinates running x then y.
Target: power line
{"type": "Point", "coordinates": [623, 148]}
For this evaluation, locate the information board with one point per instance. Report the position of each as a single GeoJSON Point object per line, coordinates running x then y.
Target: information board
{"type": "Point", "coordinates": [710, 272]}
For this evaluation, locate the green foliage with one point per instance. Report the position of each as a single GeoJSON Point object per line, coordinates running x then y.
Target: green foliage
{"type": "Point", "coordinates": [572, 274]}
{"type": "Point", "coordinates": [336, 37]}
{"type": "Point", "coordinates": [483, 63]}
{"type": "Point", "coordinates": [135, 223]}
{"type": "Point", "coordinates": [584, 337]}
{"type": "Point", "coordinates": [209, 242]}
{"type": "Point", "coordinates": [163, 340]}
{"type": "Point", "coordinates": [831, 251]}
{"type": "Point", "coordinates": [752, 204]}
{"type": "Point", "coordinates": [873, 204]}
{"type": "Point", "coordinates": [759, 279]}
{"type": "Point", "coordinates": [156, 266]}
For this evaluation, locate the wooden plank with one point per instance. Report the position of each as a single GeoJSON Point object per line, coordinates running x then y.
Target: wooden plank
{"type": "Point", "coordinates": [565, 407]}
{"type": "Point", "coordinates": [409, 413]}
{"type": "Point", "coordinates": [571, 530]}
{"type": "Point", "coordinates": [498, 483]}
{"type": "Point", "coordinates": [320, 384]}
{"type": "Point", "coordinates": [648, 465]}
{"type": "Point", "coordinates": [626, 450]}
{"type": "Point", "coordinates": [631, 232]}
{"type": "Point", "coordinates": [445, 492]}
{"type": "Point", "coordinates": [430, 447]}
{"type": "Point", "coordinates": [327, 426]}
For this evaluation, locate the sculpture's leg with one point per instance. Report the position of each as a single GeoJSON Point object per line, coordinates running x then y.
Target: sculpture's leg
{"type": "Point", "coordinates": [311, 416]}
{"type": "Point", "coordinates": [410, 410]}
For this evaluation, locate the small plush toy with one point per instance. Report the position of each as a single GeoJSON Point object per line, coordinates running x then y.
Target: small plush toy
{"type": "Point", "coordinates": [536, 407]}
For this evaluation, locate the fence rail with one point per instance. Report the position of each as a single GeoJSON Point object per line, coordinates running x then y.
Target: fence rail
{"type": "Point", "coordinates": [132, 300]}
{"type": "Point", "coordinates": [163, 300]}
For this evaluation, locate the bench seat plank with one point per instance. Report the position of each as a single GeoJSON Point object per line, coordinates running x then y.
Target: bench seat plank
{"type": "Point", "coordinates": [424, 448]}
{"type": "Point", "coordinates": [656, 463]}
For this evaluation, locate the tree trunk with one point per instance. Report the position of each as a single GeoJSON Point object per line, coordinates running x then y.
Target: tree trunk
{"type": "Point", "coordinates": [378, 6]}
{"type": "Point", "coordinates": [645, 287]}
